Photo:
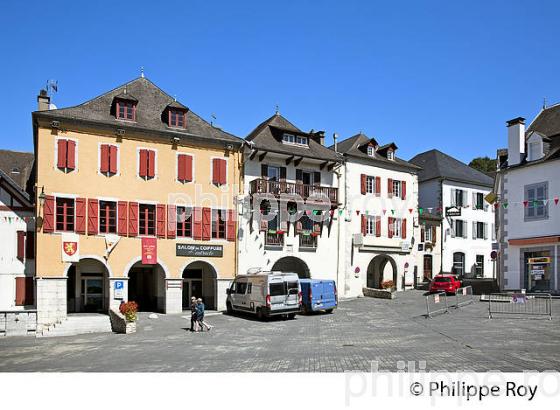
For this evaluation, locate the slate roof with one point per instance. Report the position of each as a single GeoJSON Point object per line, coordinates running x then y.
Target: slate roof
{"type": "Point", "coordinates": [436, 164]}
{"type": "Point", "coordinates": [356, 146]}
{"type": "Point", "coordinates": [547, 122]}
{"type": "Point", "coordinates": [152, 102]}
{"type": "Point", "coordinates": [11, 161]}
{"type": "Point", "coordinates": [267, 136]}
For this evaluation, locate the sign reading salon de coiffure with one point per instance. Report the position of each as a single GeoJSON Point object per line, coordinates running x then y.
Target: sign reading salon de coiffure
{"type": "Point", "coordinates": [209, 251]}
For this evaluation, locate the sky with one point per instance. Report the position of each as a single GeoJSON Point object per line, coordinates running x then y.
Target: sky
{"type": "Point", "coordinates": [424, 74]}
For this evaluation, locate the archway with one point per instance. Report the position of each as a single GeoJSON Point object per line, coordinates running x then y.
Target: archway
{"type": "Point", "coordinates": [199, 280]}
{"type": "Point", "coordinates": [381, 268]}
{"type": "Point", "coordinates": [87, 287]}
{"type": "Point", "coordinates": [146, 286]}
{"type": "Point", "coordinates": [292, 264]}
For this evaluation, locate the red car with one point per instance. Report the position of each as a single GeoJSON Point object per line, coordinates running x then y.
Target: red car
{"type": "Point", "coordinates": [445, 283]}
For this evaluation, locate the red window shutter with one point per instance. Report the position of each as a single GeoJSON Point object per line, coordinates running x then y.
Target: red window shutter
{"type": "Point", "coordinates": [223, 172]}
{"type": "Point", "coordinates": [390, 227]}
{"type": "Point", "coordinates": [20, 245]}
{"type": "Point", "coordinates": [390, 188]}
{"type": "Point", "coordinates": [104, 166]}
{"type": "Point", "coordinates": [182, 168]}
{"type": "Point", "coordinates": [197, 223]}
{"type": "Point", "coordinates": [230, 229]}
{"type": "Point", "coordinates": [403, 229]}
{"type": "Point", "coordinates": [113, 154]}
{"type": "Point", "coordinates": [61, 153]}
{"type": "Point", "coordinates": [160, 211]}
{"type": "Point", "coordinates": [364, 225]}
{"type": "Point", "coordinates": [93, 216]}
{"type": "Point", "coordinates": [377, 186]}
{"type": "Point", "coordinates": [206, 223]}
{"type": "Point", "coordinates": [378, 226]}
{"type": "Point", "coordinates": [171, 221]}
{"type": "Point", "coordinates": [188, 168]}
{"type": "Point", "coordinates": [122, 210]}
{"type": "Point", "coordinates": [132, 218]}
{"type": "Point", "coordinates": [48, 214]}
{"type": "Point", "coordinates": [20, 291]}
{"type": "Point", "coordinates": [71, 155]}
{"type": "Point", "coordinates": [81, 215]}
{"type": "Point", "coordinates": [143, 171]}
{"type": "Point", "coordinates": [215, 171]}
{"type": "Point", "coordinates": [30, 245]}
{"type": "Point", "coordinates": [403, 190]}
{"type": "Point", "coordinates": [151, 164]}
{"type": "Point", "coordinates": [363, 184]}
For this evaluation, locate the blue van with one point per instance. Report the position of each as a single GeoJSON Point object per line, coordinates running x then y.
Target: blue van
{"type": "Point", "coordinates": [318, 294]}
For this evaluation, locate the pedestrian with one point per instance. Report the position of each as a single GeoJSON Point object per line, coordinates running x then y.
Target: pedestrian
{"type": "Point", "coordinates": [194, 317]}
{"type": "Point", "coordinates": [200, 316]}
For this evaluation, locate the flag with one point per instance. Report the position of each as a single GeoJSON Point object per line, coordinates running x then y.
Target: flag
{"type": "Point", "coordinates": [410, 210]}
{"type": "Point", "coordinates": [525, 203]}
{"type": "Point", "coordinates": [420, 211]}
{"type": "Point", "coordinates": [555, 200]}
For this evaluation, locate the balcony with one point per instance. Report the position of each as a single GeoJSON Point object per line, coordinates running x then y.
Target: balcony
{"type": "Point", "coordinates": [307, 242]}
{"type": "Point", "coordinates": [264, 186]}
{"type": "Point", "coordinates": [274, 239]}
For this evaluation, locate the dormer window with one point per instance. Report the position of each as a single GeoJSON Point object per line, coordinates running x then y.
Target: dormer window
{"type": "Point", "coordinates": [370, 151]}
{"type": "Point", "coordinates": [295, 139]}
{"type": "Point", "coordinates": [177, 118]}
{"type": "Point", "coordinates": [126, 110]}
{"type": "Point", "coordinates": [391, 155]}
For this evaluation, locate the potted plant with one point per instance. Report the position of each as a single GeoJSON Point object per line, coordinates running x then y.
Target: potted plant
{"type": "Point", "coordinates": [130, 312]}
{"type": "Point", "coordinates": [387, 284]}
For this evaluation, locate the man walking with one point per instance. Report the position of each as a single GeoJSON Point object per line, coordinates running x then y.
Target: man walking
{"type": "Point", "coordinates": [200, 316]}
{"type": "Point", "coordinates": [194, 317]}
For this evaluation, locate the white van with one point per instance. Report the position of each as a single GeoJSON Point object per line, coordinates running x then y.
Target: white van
{"type": "Point", "coordinates": [265, 294]}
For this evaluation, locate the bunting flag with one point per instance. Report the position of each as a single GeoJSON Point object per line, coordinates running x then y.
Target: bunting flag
{"type": "Point", "coordinates": [384, 211]}
{"type": "Point", "coordinates": [496, 205]}
{"type": "Point", "coordinates": [357, 212]}
{"type": "Point", "coordinates": [555, 200]}
{"type": "Point", "coordinates": [525, 203]}
{"type": "Point", "coordinates": [505, 204]}
{"type": "Point", "coordinates": [392, 211]}
{"type": "Point", "coordinates": [367, 212]}
{"type": "Point", "coordinates": [340, 211]}
{"type": "Point", "coordinates": [410, 210]}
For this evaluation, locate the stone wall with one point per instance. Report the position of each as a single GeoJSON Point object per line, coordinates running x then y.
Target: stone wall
{"type": "Point", "coordinates": [379, 293]}
{"type": "Point", "coordinates": [51, 301]}
{"type": "Point", "coordinates": [18, 323]}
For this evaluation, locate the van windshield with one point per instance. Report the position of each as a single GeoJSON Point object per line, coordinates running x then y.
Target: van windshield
{"type": "Point", "coordinates": [278, 289]}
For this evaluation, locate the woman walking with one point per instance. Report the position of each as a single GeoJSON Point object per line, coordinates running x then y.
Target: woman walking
{"type": "Point", "coordinates": [200, 316]}
{"type": "Point", "coordinates": [194, 317]}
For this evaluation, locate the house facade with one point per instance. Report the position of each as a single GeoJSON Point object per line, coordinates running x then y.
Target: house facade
{"type": "Point", "coordinates": [380, 216]}
{"type": "Point", "coordinates": [457, 192]}
{"type": "Point", "coordinates": [429, 244]}
{"type": "Point", "coordinates": [288, 212]}
{"type": "Point", "coordinates": [135, 201]}
{"type": "Point", "coordinates": [528, 189]}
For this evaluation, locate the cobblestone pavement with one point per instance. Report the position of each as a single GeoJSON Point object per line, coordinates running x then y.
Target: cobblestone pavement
{"type": "Point", "coordinates": [359, 332]}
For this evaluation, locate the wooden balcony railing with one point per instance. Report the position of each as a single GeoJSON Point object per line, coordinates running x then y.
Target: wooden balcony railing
{"type": "Point", "coordinates": [274, 239]}
{"type": "Point", "coordinates": [264, 186]}
{"type": "Point", "coordinates": [307, 241]}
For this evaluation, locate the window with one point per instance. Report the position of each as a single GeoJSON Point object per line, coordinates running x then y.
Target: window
{"type": "Point", "coordinates": [534, 151]}
{"type": "Point", "coordinates": [273, 173]}
{"type": "Point", "coordinates": [249, 288]}
{"type": "Point", "coordinates": [240, 288]}
{"type": "Point", "coordinates": [460, 228]}
{"type": "Point", "coordinates": [479, 267]}
{"type": "Point", "coordinates": [66, 155]}
{"type": "Point", "coordinates": [184, 168]}
{"type": "Point", "coordinates": [390, 155]}
{"type": "Point", "coordinates": [65, 214]}
{"type": "Point", "coordinates": [458, 197]}
{"type": "Point", "coordinates": [218, 224]}
{"type": "Point", "coordinates": [177, 118]}
{"type": "Point", "coordinates": [427, 233]}
{"type": "Point", "coordinates": [397, 189]}
{"type": "Point", "coordinates": [458, 263]}
{"type": "Point", "coordinates": [293, 139]}
{"type": "Point", "coordinates": [184, 222]}
{"type": "Point", "coordinates": [479, 230]}
{"type": "Point", "coordinates": [107, 217]}
{"type": "Point", "coordinates": [219, 171]}
{"type": "Point", "coordinates": [535, 195]}
{"type": "Point", "coordinates": [147, 220]}
{"type": "Point", "coordinates": [371, 225]}
{"type": "Point", "coordinates": [108, 159]}
{"type": "Point", "coordinates": [147, 163]}
{"type": "Point", "coordinates": [397, 223]}
{"type": "Point", "coordinates": [479, 200]}
{"type": "Point", "coordinates": [370, 151]}
{"type": "Point", "coordinates": [370, 185]}
{"type": "Point", "coordinates": [126, 110]}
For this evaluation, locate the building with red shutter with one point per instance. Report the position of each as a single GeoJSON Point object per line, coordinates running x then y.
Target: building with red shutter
{"type": "Point", "coordinates": [135, 201]}
{"type": "Point", "coordinates": [379, 224]}
{"type": "Point", "coordinates": [17, 253]}
{"type": "Point", "coordinates": [291, 202]}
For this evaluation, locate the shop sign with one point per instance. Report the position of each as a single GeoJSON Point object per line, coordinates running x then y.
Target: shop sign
{"type": "Point", "coordinates": [149, 251]}
{"type": "Point", "coordinates": [452, 211]}
{"type": "Point", "coordinates": [543, 259]}
{"type": "Point", "coordinates": [208, 251]}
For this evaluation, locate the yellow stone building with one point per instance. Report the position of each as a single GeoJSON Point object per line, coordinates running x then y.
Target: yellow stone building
{"type": "Point", "coordinates": [136, 200]}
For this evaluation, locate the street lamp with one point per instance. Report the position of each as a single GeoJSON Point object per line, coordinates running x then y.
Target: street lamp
{"type": "Point", "coordinates": [42, 196]}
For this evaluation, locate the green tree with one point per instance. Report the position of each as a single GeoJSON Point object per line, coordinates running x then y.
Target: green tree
{"type": "Point", "coordinates": [483, 164]}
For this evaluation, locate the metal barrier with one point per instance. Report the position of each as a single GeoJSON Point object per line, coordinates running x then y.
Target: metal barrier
{"type": "Point", "coordinates": [436, 303]}
{"type": "Point", "coordinates": [521, 304]}
{"type": "Point", "coordinates": [463, 297]}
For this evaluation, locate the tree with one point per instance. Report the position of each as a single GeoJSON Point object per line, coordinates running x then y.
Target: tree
{"type": "Point", "coordinates": [483, 164]}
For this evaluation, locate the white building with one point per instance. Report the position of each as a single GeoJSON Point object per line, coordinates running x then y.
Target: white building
{"type": "Point", "coordinates": [288, 220]}
{"type": "Point", "coordinates": [528, 187]}
{"type": "Point", "coordinates": [379, 199]}
{"type": "Point", "coordinates": [458, 193]}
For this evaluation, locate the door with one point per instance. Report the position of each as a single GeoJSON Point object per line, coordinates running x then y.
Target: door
{"type": "Point", "coordinates": [538, 268]}
{"type": "Point", "coordinates": [459, 264]}
{"type": "Point", "coordinates": [428, 267]}
{"type": "Point", "coordinates": [191, 287]}
{"type": "Point", "coordinates": [92, 294]}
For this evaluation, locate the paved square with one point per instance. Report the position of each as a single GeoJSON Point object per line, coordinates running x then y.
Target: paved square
{"type": "Point", "coordinates": [359, 332]}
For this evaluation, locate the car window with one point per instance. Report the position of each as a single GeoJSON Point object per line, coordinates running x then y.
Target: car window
{"type": "Point", "coordinates": [278, 289]}
{"type": "Point", "coordinates": [249, 288]}
{"type": "Point", "coordinates": [241, 288]}
{"type": "Point", "coordinates": [293, 285]}
{"type": "Point", "coordinates": [443, 280]}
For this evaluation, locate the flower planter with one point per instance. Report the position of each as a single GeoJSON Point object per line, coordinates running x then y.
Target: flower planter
{"type": "Point", "coordinates": [130, 327]}
{"type": "Point", "coordinates": [380, 293]}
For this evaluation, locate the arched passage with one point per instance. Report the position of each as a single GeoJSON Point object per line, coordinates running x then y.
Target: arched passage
{"type": "Point", "coordinates": [292, 264]}
{"type": "Point", "coordinates": [381, 268]}
{"type": "Point", "coordinates": [87, 286]}
{"type": "Point", "coordinates": [146, 286]}
{"type": "Point", "coordinates": [199, 280]}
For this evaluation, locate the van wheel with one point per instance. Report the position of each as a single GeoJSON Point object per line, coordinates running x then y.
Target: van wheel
{"type": "Point", "coordinates": [260, 314]}
{"type": "Point", "coordinates": [329, 310]}
{"type": "Point", "coordinates": [229, 308]}
{"type": "Point", "coordinates": [291, 316]}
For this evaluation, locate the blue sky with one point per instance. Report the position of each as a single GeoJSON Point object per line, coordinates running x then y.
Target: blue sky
{"type": "Point", "coordinates": [425, 74]}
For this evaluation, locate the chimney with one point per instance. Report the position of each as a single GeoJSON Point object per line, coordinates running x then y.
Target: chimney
{"type": "Point", "coordinates": [321, 137]}
{"type": "Point", "coordinates": [335, 137]}
{"type": "Point", "coordinates": [516, 140]}
{"type": "Point", "coordinates": [43, 100]}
